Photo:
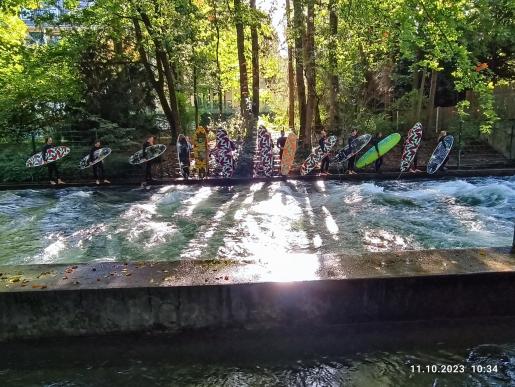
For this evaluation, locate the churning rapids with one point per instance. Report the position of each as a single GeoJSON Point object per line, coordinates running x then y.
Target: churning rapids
{"type": "Point", "coordinates": [261, 220]}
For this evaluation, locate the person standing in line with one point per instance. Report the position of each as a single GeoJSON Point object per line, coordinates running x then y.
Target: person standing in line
{"type": "Point", "coordinates": [352, 160]}
{"type": "Point", "coordinates": [281, 141]}
{"type": "Point", "coordinates": [148, 164]}
{"type": "Point", "coordinates": [324, 166]}
{"type": "Point", "coordinates": [184, 155]}
{"type": "Point", "coordinates": [375, 141]}
{"type": "Point", "coordinates": [52, 167]}
{"type": "Point", "coordinates": [414, 165]}
{"type": "Point", "coordinates": [97, 167]}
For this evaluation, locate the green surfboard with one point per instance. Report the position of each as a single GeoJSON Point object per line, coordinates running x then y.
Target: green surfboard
{"type": "Point", "coordinates": [385, 145]}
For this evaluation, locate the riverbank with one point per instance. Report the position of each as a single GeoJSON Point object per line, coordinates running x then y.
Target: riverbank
{"type": "Point", "coordinates": [175, 297]}
{"type": "Point", "coordinates": [238, 181]}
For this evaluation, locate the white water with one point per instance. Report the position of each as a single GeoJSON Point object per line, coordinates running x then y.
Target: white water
{"type": "Point", "coordinates": [269, 221]}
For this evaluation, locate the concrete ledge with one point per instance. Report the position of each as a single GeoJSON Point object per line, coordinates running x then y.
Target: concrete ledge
{"type": "Point", "coordinates": [215, 294]}
{"type": "Point", "coordinates": [238, 181]}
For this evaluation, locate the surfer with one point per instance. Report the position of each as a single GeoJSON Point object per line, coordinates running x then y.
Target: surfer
{"type": "Point", "coordinates": [350, 165]}
{"type": "Point", "coordinates": [148, 164]}
{"type": "Point", "coordinates": [375, 141]}
{"type": "Point", "coordinates": [441, 137]}
{"type": "Point", "coordinates": [184, 147]}
{"type": "Point", "coordinates": [97, 167]}
{"type": "Point", "coordinates": [414, 165]}
{"type": "Point", "coordinates": [281, 141]}
{"type": "Point", "coordinates": [324, 165]}
{"type": "Point", "coordinates": [52, 167]}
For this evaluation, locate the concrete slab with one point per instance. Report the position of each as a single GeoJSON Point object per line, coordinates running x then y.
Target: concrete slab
{"type": "Point", "coordinates": [109, 275]}
{"type": "Point", "coordinates": [303, 292]}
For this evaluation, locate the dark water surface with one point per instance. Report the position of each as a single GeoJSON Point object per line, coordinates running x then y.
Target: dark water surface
{"type": "Point", "coordinates": [483, 355]}
{"type": "Point", "coordinates": [261, 220]}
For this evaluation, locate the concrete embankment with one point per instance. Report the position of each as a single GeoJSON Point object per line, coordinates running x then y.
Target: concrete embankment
{"type": "Point", "coordinates": [238, 181]}
{"type": "Point", "coordinates": [301, 291]}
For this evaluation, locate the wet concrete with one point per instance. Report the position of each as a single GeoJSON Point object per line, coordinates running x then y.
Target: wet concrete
{"type": "Point", "coordinates": [391, 175]}
{"type": "Point", "coordinates": [105, 275]}
{"type": "Point", "coordinates": [111, 298]}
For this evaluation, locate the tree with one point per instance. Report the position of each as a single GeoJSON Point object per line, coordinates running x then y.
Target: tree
{"type": "Point", "coordinates": [255, 59]}
{"type": "Point", "coordinates": [299, 34]}
{"type": "Point", "coordinates": [242, 62]}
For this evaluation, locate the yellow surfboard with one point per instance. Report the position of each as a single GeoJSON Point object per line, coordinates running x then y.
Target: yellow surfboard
{"type": "Point", "coordinates": [290, 147]}
{"type": "Point", "coordinates": [201, 151]}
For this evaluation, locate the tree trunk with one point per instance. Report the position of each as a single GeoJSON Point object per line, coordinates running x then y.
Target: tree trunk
{"type": "Point", "coordinates": [421, 95]}
{"type": "Point", "coordinates": [157, 84]}
{"type": "Point", "coordinates": [310, 71]}
{"type": "Point", "coordinates": [195, 97]}
{"type": "Point", "coordinates": [334, 87]}
{"type": "Point", "coordinates": [291, 75]}
{"type": "Point", "coordinates": [432, 95]}
{"type": "Point", "coordinates": [218, 70]}
{"type": "Point", "coordinates": [299, 33]}
{"type": "Point", "coordinates": [240, 39]}
{"type": "Point", "coordinates": [255, 61]}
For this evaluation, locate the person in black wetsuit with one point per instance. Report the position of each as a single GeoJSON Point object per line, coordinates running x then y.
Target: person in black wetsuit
{"type": "Point", "coordinates": [442, 135]}
{"type": "Point", "coordinates": [148, 165]}
{"type": "Point", "coordinates": [351, 161]}
{"type": "Point", "coordinates": [375, 140]}
{"type": "Point", "coordinates": [98, 167]}
{"type": "Point", "coordinates": [184, 155]}
{"type": "Point", "coordinates": [281, 141]}
{"type": "Point", "coordinates": [324, 166]}
{"type": "Point", "coordinates": [52, 167]}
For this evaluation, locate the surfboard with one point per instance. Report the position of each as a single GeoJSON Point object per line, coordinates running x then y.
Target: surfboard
{"type": "Point", "coordinates": [411, 146]}
{"type": "Point", "coordinates": [52, 154]}
{"type": "Point", "coordinates": [353, 148]}
{"type": "Point", "coordinates": [99, 155]}
{"type": "Point", "coordinates": [440, 153]}
{"type": "Point", "coordinates": [258, 165]}
{"type": "Point", "coordinates": [290, 147]}
{"type": "Point", "coordinates": [385, 145]}
{"type": "Point", "coordinates": [152, 152]}
{"type": "Point", "coordinates": [267, 155]}
{"type": "Point", "coordinates": [224, 153]}
{"type": "Point", "coordinates": [317, 155]}
{"type": "Point", "coordinates": [201, 151]}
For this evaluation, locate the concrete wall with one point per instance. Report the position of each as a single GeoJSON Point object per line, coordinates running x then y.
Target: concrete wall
{"type": "Point", "coordinates": [502, 138]}
{"type": "Point", "coordinates": [37, 314]}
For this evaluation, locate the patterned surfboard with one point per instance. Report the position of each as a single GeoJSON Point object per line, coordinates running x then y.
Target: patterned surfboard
{"type": "Point", "coordinates": [411, 146]}
{"type": "Point", "coordinates": [385, 146]}
{"type": "Point", "coordinates": [99, 155]}
{"type": "Point", "coordinates": [317, 155]}
{"type": "Point", "coordinates": [224, 155]}
{"type": "Point", "coordinates": [52, 154]}
{"type": "Point", "coordinates": [440, 153]}
{"type": "Point", "coordinates": [267, 155]}
{"type": "Point", "coordinates": [259, 165]}
{"type": "Point", "coordinates": [201, 151]}
{"type": "Point", "coordinates": [290, 147]}
{"type": "Point", "coordinates": [353, 148]}
{"type": "Point", "coordinates": [152, 152]}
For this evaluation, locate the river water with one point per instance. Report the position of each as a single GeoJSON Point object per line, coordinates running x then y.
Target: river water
{"type": "Point", "coordinates": [398, 356]}
{"type": "Point", "coordinates": [259, 220]}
